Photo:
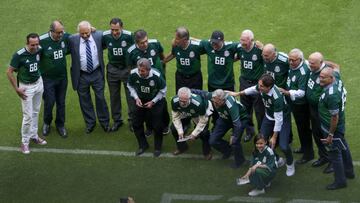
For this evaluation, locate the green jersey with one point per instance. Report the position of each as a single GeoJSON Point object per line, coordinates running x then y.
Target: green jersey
{"type": "Point", "coordinates": [27, 65]}
{"type": "Point", "coordinates": [251, 63]}
{"type": "Point", "coordinates": [153, 52]}
{"type": "Point", "coordinates": [313, 89]}
{"type": "Point", "coordinates": [146, 89]}
{"type": "Point", "coordinates": [117, 48]}
{"type": "Point", "coordinates": [188, 59]}
{"type": "Point", "coordinates": [266, 157]}
{"type": "Point", "coordinates": [197, 106]}
{"type": "Point", "coordinates": [332, 102]}
{"type": "Point", "coordinates": [220, 64]}
{"type": "Point", "coordinates": [278, 69]}
{"type": "Point", "coordinates": [53, 60]}
{"type": "Point", "coordinates": [232, 110]}
{"type": "Point", "coordinates": [297, 80]}
{"type": "Point", "coordinates": [274, 101]}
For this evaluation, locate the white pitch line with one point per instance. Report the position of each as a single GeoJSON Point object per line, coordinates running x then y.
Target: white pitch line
{"type": "Point", "coordinates": [112, 153]}
{"type": "Point", "coordinates": [310, 201]}
{"type": "Point", "coordinates": [168, 197]}
{"type": "Point", "coordinates": [253, 199]}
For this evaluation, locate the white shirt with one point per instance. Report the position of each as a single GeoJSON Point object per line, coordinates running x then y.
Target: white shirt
{"type": "Point", "coordinates": [94, 52]}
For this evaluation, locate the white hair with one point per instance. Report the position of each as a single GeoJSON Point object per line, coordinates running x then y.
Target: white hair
{"type": "Point", "coordinates": [184, 91]}
{"type": "Point", "coordinates": [84, 23]}
{"type": "Point", "coordinates": [298, 52]}
{"type": "Point", "coordinates": [248, 33]}
{"type": "Point", "coordinates": [220, 94]}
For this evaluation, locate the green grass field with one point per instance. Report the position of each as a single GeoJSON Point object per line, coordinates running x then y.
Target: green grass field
{"type": "Point", "coordinates": [330, 27]}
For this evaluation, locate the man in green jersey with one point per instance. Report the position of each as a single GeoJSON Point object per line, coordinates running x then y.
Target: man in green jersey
{"type": "Point", "coordinates": [152, 50]}
{"type": "Point", "coordinates": [232, 115]}
{"type": "Point", "coordinates": [53, 71]}
{"type": "Point", "coordinates": [29, 87]}
{"type": "Point", "coordinates": [331, 111]}
{"type": "Point", "coordinates": [277, 121]}
{"type": "Point", "coordinates": [148, 89]}
{"type": "Point", "coordinates": [188, 105]}
{"type": "Point", "coordinates": [295, 92]}
{"type": "Point", "coordinates": [276, 64]}
{"type": "Point", "coordinates": [188, 63]}
{"type": "Point", "coordinates": [117, 41]}
{"type": "Point", "coordinates": [251, 67]}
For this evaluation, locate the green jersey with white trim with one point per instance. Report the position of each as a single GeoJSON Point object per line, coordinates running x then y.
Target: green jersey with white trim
{"type": "Point", "coordinates": [152, 53]}
{"type": "Point", "coordinates": [117, 48]}
{"type": "Point", "coordinates": [266, 157]}
{"type": "Point", "coordinates": [274, 101]}
{"type": "Point", "coordinates": [297, 80]}
{"type": "Point", "coordinates": [278, 69]}
{"type": "Point", "coordinates": [146, 88]}
{"type": "Point", "coordinates": [332, 102]}
{"type": "Point", "coordinates": [251, 63]}
{"type": "Point", "coordinates": [232, 110]}
{"type": "Point", "coordinates": [188, 60]}
{"type": "Point", "coordinates": [197, 106]}
{"type": "Point", "coordinates": [27, 65]}
{"type": "Point", "coordinates": [53, 60]}
{"type": "Point", "coordinates": [220, 64]}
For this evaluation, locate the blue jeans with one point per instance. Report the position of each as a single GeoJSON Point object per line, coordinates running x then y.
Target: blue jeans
{"type": "Point", "coordinates": [54, 93]}
{"type": "Point", "coordinates": [267, 129]}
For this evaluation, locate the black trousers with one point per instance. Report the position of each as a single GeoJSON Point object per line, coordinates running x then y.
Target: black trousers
{"type": "Point", "coordinates": [301, 114]}
{"type": "Point", "coordinates": [252, 103]}
{"type": "Point", "coordinates": [94, 80]}
{"type": "Point", "coordinates": [154, 117]}
{"type": "Point", "coordinates": [191, 81]}
{"type": "Point", "coordinates": [317, 133]}
{"type": "Point", "coordinates": [204, 136]}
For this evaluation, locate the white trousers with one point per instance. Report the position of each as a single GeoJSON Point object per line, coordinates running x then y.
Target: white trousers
{"type": "Point", "coordinates": [31, 109]}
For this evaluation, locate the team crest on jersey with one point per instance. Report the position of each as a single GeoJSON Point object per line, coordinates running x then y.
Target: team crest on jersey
{"type": "Point", "coordinates": [110, 44]}
{"type": "Point", "coordinates": [226, 53]}
{"type": "Point", "coordinates": [254, 57]}
{"type": "Point", "coordinates": [123, 43]}
{"type": "Point", "coordinates": [37, 57]}
{"type": "Point", "coordinates": [277, 69]}
{"type": "Point", "coordinates": [293, 78]}
{"type": "Point", "coordinates": [152, 52]}
{"type": "Point", "coordinates": [62, 44]}
{"type": "Point", "coordinates": [192, 111]}
{"type": "Point", "coordinates": [152, 83]}
{"type": "Point", "coordinates": [317, 81]}
{"type": "Point", "coordinates": [192, 54]}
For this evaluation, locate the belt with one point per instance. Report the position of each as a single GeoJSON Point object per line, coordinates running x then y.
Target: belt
{"type": "Point", "coordinates": [94, 70]}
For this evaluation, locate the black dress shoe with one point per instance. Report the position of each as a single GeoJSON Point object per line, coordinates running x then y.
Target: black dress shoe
{"type": "Point", "coordinates": [106, 128]}
{"type": "Point", "coordinates": [141, 151]}
{"type": "Point", "coordinates": [350, 175]}
{"type": "Point", "coordinates": [298, 151]}
{"type": "Point", "coordinates": [90, 129]}
{"type": "Point", "coordinates": [226, 156]}
{"type": "Point", "coordinates": [303, 160]}
{"type": "Point", "coordinates": [335, 186]}
{"type": "Point", "coordinates": [329, 169]}
{"type": "Point", "coordinates": [116, 126]}
{"type": "Point", "coordinates": [62, 132]}
{"type": "Point", "coordinates": [157, 153]}
{"type": "Point", "coordinates": [46, 129]}
{"type": "Point", "coordinates": [319, 162]}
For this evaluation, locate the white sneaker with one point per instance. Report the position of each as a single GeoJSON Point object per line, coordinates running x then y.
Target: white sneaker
{"type": "Point", "coordinates": [268, 185]}
{"type": "Point", "coordinates": [40, 141]}
{"type": "Point", "coordinates": [256, 192]}
{"type": "Point", "coordinates": [25, 148]}
{"type": "Point", "coordinates": [280, 162]}
{"type": "Point", "coordinates": [242, 181]}
{"type": "Point", "coordinates": [290, 169]}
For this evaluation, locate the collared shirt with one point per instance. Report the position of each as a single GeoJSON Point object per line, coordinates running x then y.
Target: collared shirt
{"type": "Point", "coordinates": [94, 52]}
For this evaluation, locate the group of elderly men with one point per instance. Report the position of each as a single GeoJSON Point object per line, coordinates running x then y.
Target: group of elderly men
{"type": "Point", "coordinates": [272, 84]}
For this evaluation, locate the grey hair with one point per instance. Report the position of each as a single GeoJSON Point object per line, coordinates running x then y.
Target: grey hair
{"type": "Point", "coordinates": [298, 52]}
{"type": "Point", "coordinates": [249, 33]}
{"type": "Point", "coordinates": [84, 23]}
{"type": "Point", "coordinates": [184, 91]}
{"type": "Point", "coordinates": [144, 62]}
{"type": "Point", "coordinates": [219, 93]}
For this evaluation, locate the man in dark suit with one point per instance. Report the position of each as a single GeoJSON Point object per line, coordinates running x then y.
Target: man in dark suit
{"type": "Point", "coordinates": [87, 70]}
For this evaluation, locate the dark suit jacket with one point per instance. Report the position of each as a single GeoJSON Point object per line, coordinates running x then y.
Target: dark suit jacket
{"type": "Point", "coordinates": [74, 44]}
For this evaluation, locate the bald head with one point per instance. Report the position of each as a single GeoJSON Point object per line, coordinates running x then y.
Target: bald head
{"type": "Point", "coordinates": [269, 53]}
{"type": "Point", "coordinates": [56, 30]}
{"type": "Point", "coordinates": [315, 61]}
